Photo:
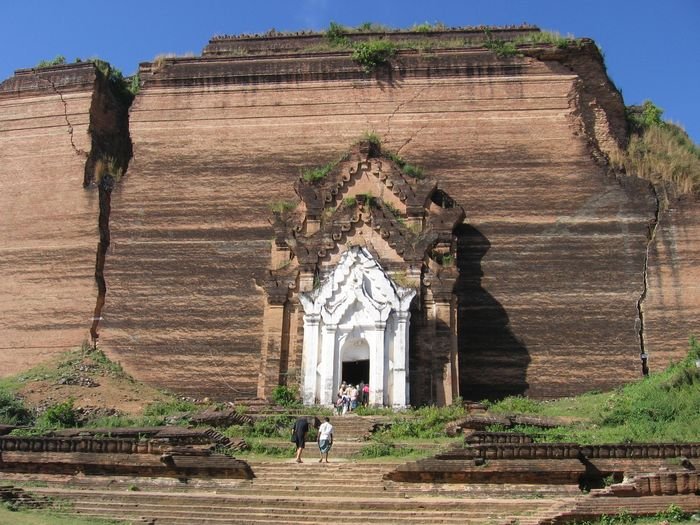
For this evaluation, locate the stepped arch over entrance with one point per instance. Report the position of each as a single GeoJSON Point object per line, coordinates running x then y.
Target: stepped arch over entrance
{"type": "Point", "coordinates": [368, 251]}
{"type": "Point", "coordinates": [357, 309]}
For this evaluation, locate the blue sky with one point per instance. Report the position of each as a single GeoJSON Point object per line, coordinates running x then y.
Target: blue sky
{"type": "Point", "coordinates": [651, 46]}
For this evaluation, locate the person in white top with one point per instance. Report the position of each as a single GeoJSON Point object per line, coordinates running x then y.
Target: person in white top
{"type": "Point", "coordinates": [325, 439]}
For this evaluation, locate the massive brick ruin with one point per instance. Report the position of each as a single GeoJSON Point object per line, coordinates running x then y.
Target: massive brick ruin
{"type": "Point", "coordinates": [564, 271]}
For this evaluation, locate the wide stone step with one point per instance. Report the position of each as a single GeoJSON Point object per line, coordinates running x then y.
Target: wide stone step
{"type": "Point", "coordinates": [147, 509]}
{"type": "Point", "coordinates": [282, 520]}
{"type": "Point", "coordinates": [169, 513]}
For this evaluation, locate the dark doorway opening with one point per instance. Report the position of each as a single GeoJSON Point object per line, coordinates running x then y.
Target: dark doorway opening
{"type": "Point", "coordinates": [356, 372]}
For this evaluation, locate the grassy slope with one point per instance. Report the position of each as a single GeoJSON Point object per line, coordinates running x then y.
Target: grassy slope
{"type": "Point", "coordinates": [662, 407]}
{"type": "Point", "coordinates": [659, 151]}
{"type": "Point", "coordinates": [38, 517]}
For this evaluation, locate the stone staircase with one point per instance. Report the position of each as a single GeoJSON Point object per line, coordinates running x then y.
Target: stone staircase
{"type": "Point", "coordinates": [287, 493]}
{"type": "Point", "coordinates": [589, 508]}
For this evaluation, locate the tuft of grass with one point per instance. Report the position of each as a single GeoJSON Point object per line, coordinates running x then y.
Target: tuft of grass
{"type": "Point", "coordinates": [382, 446]}
{"type": "Point", "coordinates": [316, 174]}
{"type": "Point", "coordinates": [548, 37]}
{"type": "Point", "coordinates": [282, 206]}
{"type": "Point", "coordinates": [169, 408]}
{"type": "Point", "coordinates": [425, 422]}
{"type": "Point", "coordinates": [427, 27]}
{"type": "Point", "coordinates": [407, 169]}
{"type": "Point", "coordinates": [319, 173]}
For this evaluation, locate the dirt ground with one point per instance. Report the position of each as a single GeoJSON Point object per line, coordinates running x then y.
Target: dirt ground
{"type": "Point", "coordinates": [89, 379]}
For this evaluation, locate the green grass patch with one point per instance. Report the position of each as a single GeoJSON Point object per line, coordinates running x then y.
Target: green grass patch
{"type": "Point", "coordinates": [662, 407]}
{"type": "Point", "coordinates": [425, 422]}
{"type": "Point", "coordinates": [673, 514]}
{"type": "Point", "coordinates": [47, 517]}
{"type": "Point", "coordinates": [548, 37]}
{"type": "Point", "coordinates": [282, 206]}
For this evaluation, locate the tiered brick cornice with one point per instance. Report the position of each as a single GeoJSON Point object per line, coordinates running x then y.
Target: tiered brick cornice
{"type": "Point", "coordinates": [275, 42]}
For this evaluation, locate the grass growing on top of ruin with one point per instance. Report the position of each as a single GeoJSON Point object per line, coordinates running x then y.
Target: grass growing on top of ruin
{"type": "Point", "coordinates": [662, 407]}
{"type": "Point", "coordinates": [659, 151]}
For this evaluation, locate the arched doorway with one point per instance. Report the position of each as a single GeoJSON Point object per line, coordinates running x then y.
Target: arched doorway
{"type": "Point", "coordinates": [354, 359]}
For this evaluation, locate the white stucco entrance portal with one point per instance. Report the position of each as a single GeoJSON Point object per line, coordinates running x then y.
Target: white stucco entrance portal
{"type": "Point", "coordinates": [358, 313]}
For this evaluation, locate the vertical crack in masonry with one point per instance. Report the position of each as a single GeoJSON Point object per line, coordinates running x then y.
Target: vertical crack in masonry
{"type": "Point", "coordinates": [105, 187]}
{"type": "Point", "coordinates": [77, 150]}
{"type": "Point", "coordinates": [653, 225]}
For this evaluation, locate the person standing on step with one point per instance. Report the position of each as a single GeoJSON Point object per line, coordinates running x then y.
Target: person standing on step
{"type": "Point", "coordinates": [353, 398]}
{"type": "Point", "coordinates": [325, 439]}
{"type": "Point", "coordinates": [301, 428]}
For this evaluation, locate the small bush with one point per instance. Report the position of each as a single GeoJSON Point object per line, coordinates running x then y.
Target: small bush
{"type": "Point", "coordinates": [121, 87]}
{"type": "Point", "coordinates": [13, 411]}
{"type": "Point", "coordinates": [373, 54]}
{"type": "Point", "coordinates": [502, 48]}
{"type": "Point", "coordinates": [59, 415]}
{"type": "Point", "coordinates": [672, 513]}
{"type": "Point", "coordinates": [372, 138]}
{"type": "Point", "coordinates": [336, 35]}
{"type": "Point", "coordinates": [56, 61]}
{"type": "Point", "coordinates": [286, 396]}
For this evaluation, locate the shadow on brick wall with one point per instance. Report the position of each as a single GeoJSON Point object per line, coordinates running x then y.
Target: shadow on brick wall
{"type": "Point", "coordinates": [493, 361]}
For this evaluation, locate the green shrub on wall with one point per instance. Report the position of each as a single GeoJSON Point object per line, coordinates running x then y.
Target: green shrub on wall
{"type": "Point", "coordinates": [373, 53]}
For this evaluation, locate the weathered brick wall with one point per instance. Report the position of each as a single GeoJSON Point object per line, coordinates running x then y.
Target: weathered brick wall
{"type": "Point", "coordinates": [551, 256]}
{"type": "Point", "coordinates": [672, 306]}
{"type": "Point", "coordinates": [551, 259]}
{"type": "Point", "coordinates": [48, 222]}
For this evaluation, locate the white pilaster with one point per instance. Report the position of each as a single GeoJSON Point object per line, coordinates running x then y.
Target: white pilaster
{"type": "Point", "coordinates": [399, 395]}
{"type": "Point", "coordinates": [376, 365]}
{"type": "Point", "coordinates": [310, 357]}
{"type": "Point", "coordinates": [328, 364]}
